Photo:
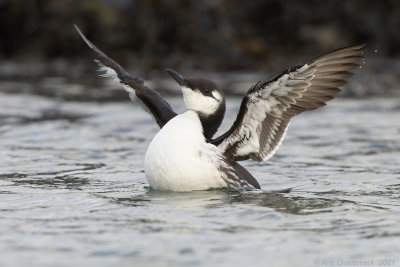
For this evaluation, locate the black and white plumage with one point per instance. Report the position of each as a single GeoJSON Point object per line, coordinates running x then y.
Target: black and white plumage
{"type": "Point", "coordinates": [183, 156]}
{"type": "Point", "coordinates": [153, 102]}
{"type": "Point", "coordinates": [268, 106]}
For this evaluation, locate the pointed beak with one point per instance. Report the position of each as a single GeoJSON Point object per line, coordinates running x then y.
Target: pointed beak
{"type": "Point", "coordinates": [177, 77]}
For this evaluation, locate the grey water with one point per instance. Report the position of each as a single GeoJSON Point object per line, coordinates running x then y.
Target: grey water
{"type": "Point", "coordinates": [73, 191]}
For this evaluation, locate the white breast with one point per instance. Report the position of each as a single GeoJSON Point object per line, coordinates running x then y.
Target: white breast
{"type": "Point", "coordinates": [179, 159]}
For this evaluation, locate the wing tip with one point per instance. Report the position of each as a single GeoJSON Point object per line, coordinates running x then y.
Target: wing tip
{"type": "Point", "coordinates": [355, 47]}
{"type": "Point", "coordinates": [89, 43]}
{"type": "Point", "coordinates": [360, 46]}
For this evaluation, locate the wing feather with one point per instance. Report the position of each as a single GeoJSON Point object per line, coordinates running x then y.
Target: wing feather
{"type": "Point", "coordinates": [268, 107]}
{"type": "Point", "coordinates": [150, 100]}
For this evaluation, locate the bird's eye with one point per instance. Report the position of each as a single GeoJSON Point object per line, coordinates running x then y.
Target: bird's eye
{"type": "Point", "coordinates": [207, 91]}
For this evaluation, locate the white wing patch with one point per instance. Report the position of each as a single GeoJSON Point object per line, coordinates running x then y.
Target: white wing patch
{"type": "Point", "coordinates": [263, 103]}
{"type": "Point", "coordinates": [152, 101]}
{"type": "Point", "coordinates": [271, 153]}
{"type": "Point", "coordinates": [268, 107]}
{"type": "Point", "coordinates": [111, 73]}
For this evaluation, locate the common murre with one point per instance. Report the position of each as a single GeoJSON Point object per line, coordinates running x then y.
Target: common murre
{"type": "Point", "coordinates": [184, 156]}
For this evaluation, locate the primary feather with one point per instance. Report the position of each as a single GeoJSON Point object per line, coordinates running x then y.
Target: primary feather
{"type": "Point", "coordinates": [268, 106]}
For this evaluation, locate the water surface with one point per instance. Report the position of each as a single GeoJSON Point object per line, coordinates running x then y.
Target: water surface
{"type": "Point", "coordinates": [73, 191]}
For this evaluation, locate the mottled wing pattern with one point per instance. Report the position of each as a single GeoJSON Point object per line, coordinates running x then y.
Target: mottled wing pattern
{"type": "Point", "coordinates": [151, 101]}
{"type": "Point", "coordinates": [236, 176]}
{"type": "Point", "coordinates": [268, 107]}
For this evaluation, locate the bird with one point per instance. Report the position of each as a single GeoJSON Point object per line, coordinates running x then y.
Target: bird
{"type": "Point", "coordinates": [185, 156]}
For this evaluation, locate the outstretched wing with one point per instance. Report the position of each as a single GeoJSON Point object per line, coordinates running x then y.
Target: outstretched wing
{"type": "Point", "coordinates": [268, 107]}
{"type": "Point", "coordinates": [153, 102]}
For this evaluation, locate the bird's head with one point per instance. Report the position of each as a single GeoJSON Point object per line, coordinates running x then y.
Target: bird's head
{"type": "Point", "coordinates": [200, 94]}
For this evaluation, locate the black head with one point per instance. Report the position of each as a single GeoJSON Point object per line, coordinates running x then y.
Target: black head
{"type": "Point", "coordinates": [204, 97]}
{"type": "Point", "coordinates": [199, 94]}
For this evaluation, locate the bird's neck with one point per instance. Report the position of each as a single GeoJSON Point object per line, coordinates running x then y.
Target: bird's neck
{"type": "Point", "coordinates": [211, 122]}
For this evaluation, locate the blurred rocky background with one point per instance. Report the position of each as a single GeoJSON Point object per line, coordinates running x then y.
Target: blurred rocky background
{"type": "Point", "coordinates": [233, 42]}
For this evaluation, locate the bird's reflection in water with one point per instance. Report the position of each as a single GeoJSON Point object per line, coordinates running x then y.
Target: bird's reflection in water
{"type": "Point", "coordinates": [279, 200]}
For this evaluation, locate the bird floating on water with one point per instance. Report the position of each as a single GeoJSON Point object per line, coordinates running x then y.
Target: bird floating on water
{"type": "Point", "coordinates": [184, 156]}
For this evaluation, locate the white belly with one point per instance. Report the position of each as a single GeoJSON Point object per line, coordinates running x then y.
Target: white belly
{"type": "Point", "coordinates": [179, 159]}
